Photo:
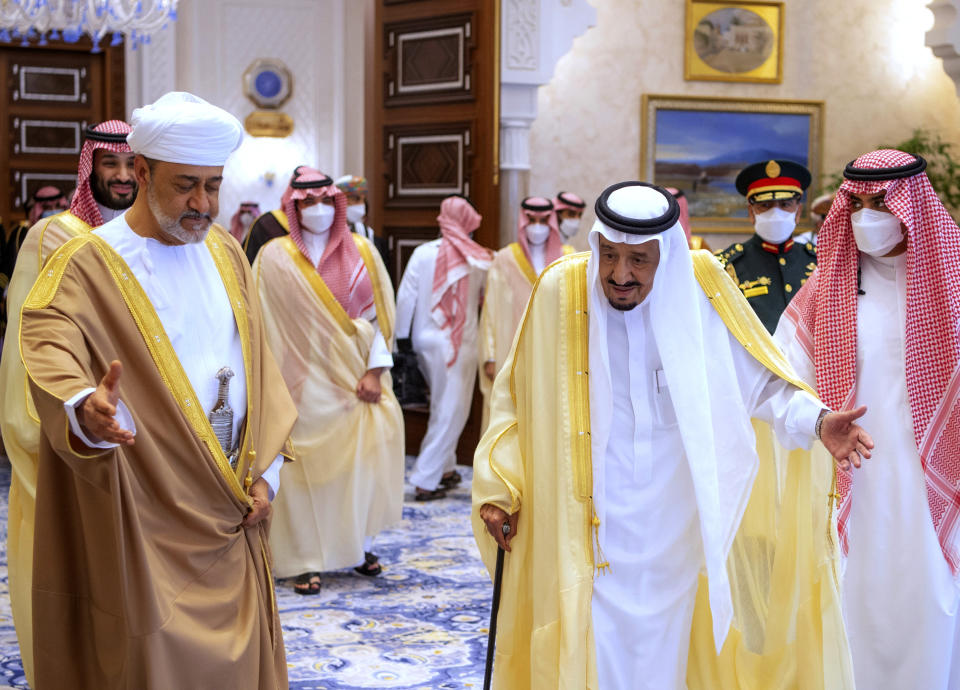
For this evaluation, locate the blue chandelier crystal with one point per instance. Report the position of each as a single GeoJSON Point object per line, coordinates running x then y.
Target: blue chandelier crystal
{"type": "Point", "coordinates": [43, 20]}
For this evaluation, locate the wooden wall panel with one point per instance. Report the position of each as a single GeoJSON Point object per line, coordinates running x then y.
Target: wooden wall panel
{"type": "Point", "coordinates": [429, 61]}
{"type": "Point", "coordinates": [426, 163]}
{"type": "Point", "coordinates": [431, 126]}
{"type": "Point", "coordinates": [51, 94]}
{"type": "Point", "coordinates": [405, 240]}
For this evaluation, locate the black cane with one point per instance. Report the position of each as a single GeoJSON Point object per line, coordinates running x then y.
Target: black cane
{"type": "Point", "coordinates": [494, 609]}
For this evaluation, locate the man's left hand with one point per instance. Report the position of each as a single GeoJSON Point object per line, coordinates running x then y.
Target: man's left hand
{"type": "Point", "coordinates": [368, 389]}
{"type": "Point", "coordinates": [846, 441]}
{"type": "Point", "coordinates": [260, 493]}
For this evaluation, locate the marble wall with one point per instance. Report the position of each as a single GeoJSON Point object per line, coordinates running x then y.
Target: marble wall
{"type": "Point", "coordinates": [865, 59]}
{"type": "Point", "coordinates": [207, 50]}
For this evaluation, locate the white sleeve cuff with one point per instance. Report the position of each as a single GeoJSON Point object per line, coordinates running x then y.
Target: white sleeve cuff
{"type": "Point", "coordinates": [379, 353]}
{"type": "Point", "coordinates": [123, 417]}
{"type": "Point", "coordinates": [802, 414]}
{"type": "Point", "coordinates": [272, 476]}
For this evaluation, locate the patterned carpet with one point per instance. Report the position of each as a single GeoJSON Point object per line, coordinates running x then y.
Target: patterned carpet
{"type": "Point", "coordinates": [421, 624]}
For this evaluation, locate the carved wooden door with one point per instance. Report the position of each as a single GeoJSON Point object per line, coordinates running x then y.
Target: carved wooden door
{"type": "Point", "coordinates": [432, 131]}
{"type": "Point", "coordinates": [51, 94]}
{"type": "Point", "coordinates": [432, 124]}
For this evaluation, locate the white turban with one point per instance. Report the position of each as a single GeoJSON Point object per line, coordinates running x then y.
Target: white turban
{"type": "Point", "coordinates": [182, 128]}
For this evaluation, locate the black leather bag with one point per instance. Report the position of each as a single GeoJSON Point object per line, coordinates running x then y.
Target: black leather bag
{"type": "Point", "coordinates": [409, 385]}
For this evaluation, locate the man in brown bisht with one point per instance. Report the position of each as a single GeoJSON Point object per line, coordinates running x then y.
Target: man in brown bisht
{"type": "Point", "coordinates": [105, 189]}
{"type": "Point", "coordinates": [164, 422]}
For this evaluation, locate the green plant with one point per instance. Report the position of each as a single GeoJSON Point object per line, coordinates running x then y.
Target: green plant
{"type": "Point", "coordinates": [942, 168]}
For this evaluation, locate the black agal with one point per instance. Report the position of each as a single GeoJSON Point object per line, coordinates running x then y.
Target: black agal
{"type": "Point", "coordinates": [879, 174]}
{"type": "Point", "coordinates": [637, 226]}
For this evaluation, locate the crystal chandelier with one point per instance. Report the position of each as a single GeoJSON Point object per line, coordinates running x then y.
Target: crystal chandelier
{"type": "Point", "coordinates": [26, 20]}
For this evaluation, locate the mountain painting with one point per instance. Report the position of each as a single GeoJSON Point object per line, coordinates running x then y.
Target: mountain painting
{"type": "Point", "coordinates": [701, 152]}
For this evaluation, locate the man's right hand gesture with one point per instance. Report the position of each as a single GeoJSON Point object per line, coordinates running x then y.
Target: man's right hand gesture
{"type": "Point", "coordinates": [97, 413]}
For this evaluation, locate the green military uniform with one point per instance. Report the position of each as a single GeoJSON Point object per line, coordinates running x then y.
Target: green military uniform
{"type": "Point", "coordinates": [770, 266]}
{"type": "Point", "coordinates": [769, 275]}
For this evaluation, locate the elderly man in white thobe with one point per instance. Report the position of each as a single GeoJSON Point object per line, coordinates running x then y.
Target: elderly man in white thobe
{"type": "Point", "coordinates": [622, 417]}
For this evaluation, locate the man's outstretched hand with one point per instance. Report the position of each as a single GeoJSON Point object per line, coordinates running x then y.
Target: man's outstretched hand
{"type": "Point", "coordinates": [846, 441]}
{"type": "Point", "coordinates": [495, 518]}
{"type": "Point", "coordinates": [97, 414]}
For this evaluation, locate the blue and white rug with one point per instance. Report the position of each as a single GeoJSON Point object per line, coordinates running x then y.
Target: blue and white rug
{"type": "Point", "coordinates": [421, 624]}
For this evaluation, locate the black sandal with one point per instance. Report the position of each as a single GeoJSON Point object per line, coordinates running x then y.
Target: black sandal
{"type": "Point", "coordinates": [449, 481]}
{"type": "Point", "coordinates": [425, 495]}
{"type": "Point", "coordinates": [307, 584]}
{"type": "Point", "coordinates": [371, 565]}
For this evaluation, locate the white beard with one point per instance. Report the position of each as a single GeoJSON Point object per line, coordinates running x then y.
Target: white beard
{"type": "Point", "coordinates": [171, 226]}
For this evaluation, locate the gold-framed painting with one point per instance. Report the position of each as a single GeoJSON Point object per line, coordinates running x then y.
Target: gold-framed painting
{"type": "Point", "coordinates": [699, 145]}
{"type": "Point", "coordinates": [734, 41]}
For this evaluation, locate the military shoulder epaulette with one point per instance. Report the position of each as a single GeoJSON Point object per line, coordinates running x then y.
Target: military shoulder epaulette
{"type": "Point", "coordinates": [725, 256]}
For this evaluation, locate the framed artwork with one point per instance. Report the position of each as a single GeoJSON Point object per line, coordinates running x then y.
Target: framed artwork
{"type": "Point", "coordinates": [699, 145]}
{"type": "Point", "coordinates": [734, 41]}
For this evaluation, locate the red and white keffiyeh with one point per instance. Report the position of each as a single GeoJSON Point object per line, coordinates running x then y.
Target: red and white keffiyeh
{"type": "Point", "coordinates": [568, 201]}
{"type": "Point", "coordinates": [341, 265]}
{"type": "Point", "coordinates": [47, 198]}
{"type": "Point", "coordinates": [237, 227]}
{"type": "Point", "coordinates": [532, 205]}
{"type": "Point", "coordinates": [84, 205]}
{"type": "Point", "coordinates": [457, 253]}
{"type": "Point", "coordinates": [825, 313]}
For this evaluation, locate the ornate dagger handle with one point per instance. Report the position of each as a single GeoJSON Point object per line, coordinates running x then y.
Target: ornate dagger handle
{"type": "Point", "coordinates": [221, 416]}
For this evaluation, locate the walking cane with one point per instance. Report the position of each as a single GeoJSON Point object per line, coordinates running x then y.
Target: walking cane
{"type": "Point", "coordinates": [495, 608]}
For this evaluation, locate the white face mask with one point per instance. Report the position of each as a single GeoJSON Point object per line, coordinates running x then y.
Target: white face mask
{"type": "Point", "coordinates": [876, 232]}
{"type": "Point", "coordinates": [356, 212]}
{"type": "Point", "coordinates": [246, 219]}
{"type": "Point", "coordinates": [537, 233]}
{"type": "Point", "coordinates": [776, 225]}
{"type": "Point", "coordinates": [569, 227]}
{"type": "Point", "coordinates": [317, 218]}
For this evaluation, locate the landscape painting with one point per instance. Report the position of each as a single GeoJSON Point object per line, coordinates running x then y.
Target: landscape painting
{"type": "Point", "coordinates": [734, 41]}
{"type": "Point", "coordinates": [700, 145]}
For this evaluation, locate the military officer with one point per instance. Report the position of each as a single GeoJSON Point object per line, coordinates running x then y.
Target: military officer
{"type": "Point", "coordinates": [770, 266]}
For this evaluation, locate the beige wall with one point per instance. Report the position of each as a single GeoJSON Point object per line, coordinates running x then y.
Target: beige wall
{"type": "Point", "coordinates": [865, 59]}
{"type": "Point", "coordinates": [357, 36]}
